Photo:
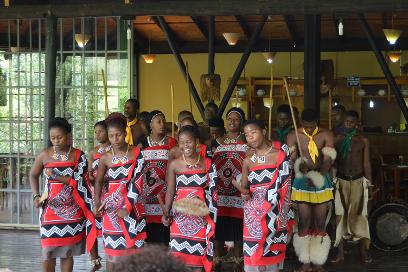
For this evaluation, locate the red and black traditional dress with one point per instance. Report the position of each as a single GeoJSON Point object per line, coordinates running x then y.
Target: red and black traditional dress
{"type": "Point", "coordinates": [124, 237]}
{"type": "Point", "coordinates": [228, 162]}
{"type": "Point", "coordinates": [96, 157]}
{"type": "Point", "coordinates": [68, 210]}
{"type": "Point", "coordinates": [267, 216]}
{"type": "Point", "coordinates": [191, 237]}
{"type": "Point", "coordinates": [154, 186]}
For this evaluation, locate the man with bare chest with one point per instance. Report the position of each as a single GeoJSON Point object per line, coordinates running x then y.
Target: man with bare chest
{"type": "Point", "coordinates": [353, 179]}
{"type": "Point", "coordinates": [312, 189]}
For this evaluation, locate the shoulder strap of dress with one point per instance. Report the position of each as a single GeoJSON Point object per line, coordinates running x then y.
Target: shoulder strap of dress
{"type": "Point", "coordinates": [77, 155]}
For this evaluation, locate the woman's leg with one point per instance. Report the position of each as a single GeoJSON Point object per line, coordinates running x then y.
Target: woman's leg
{"type": "Point", "coordinates": [49, 265]}
{"type": "Point", "coordinates": [67, 264]}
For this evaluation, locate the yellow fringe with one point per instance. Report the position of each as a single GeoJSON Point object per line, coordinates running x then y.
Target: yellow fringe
{"type": "Point", "coordinates": [312, 197]}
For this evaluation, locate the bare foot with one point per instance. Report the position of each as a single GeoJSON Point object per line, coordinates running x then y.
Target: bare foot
{"type": "Point", "coordinates": [337, 259]}
{"type": "Point", "coordinates": [366, 258]}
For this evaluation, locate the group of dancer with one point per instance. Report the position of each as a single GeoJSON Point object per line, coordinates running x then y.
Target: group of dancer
{"type": "Point", "coordinates": [202, 187]}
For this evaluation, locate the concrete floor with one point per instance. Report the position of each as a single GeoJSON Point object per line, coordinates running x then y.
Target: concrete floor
{"type": "Point", "coordinates": [20, 252]}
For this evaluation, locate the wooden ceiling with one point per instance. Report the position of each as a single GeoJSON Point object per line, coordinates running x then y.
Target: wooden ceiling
{"type": "Point", "coordinates": [280, 32]}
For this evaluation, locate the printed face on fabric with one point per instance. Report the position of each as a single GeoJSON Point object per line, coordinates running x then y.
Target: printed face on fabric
{"type": "Point", "coordinates": [254, 135]}
{"type": "Point", "coordinates": [58, 138]}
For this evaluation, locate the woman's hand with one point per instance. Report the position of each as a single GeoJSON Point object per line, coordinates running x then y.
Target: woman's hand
{"type": "Point", "coordinates": [245, 197]}
{"type": "Point", "coordinates": [122, 213]}
{"type": "Point", "coordinates": [49, 172]}
{"type": "Point", "coordinates": [166, 220]}
{"type": "Point", "coordinates": [37, 202]}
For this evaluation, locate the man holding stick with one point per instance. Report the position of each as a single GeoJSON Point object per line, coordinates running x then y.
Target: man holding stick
{"type": "Point", "coordinates": [312, 148]}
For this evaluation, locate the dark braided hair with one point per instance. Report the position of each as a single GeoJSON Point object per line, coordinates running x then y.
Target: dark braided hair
{"type": "Point", "coordinates": [59, 122]}
{"type": "Point", "coordinates": [193, 131]}
{"type": "Point", "coordinates": [117, 120]}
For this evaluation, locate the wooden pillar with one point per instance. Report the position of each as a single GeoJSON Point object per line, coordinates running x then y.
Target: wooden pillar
{"type": "Point", "coordinates": [50, 74]}
{"type": "Point", "coordinates": [211, 53]}
{"type": "Point", "coordinates": [312, 62]}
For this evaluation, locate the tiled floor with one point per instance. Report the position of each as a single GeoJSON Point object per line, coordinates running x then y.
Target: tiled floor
{"type": "Point", "coordinates": [20, 252]}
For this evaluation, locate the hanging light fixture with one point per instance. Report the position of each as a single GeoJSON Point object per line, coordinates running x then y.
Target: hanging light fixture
{"type": "Point", "coordinates": [341, 27]}
{"type": "Point", "coordinates": [392, 34]}
{"type": "Point", "coordinates": [394, 56]}
{"type": "Point", "coordinates": [267, 102]}
{"type": "Point", "coordinates": [269, 56]}
{"type": "Point", "coordinates": [149, 58]}
{"type": "Point", "coordinates": [82, 39]}
{"type": "Point", "coordinates": [371, 104]}
{"type": "Point", "coordinates": [231, 38]}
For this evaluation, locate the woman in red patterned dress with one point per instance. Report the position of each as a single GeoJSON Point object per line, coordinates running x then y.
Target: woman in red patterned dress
{"type": "Point", "coordinates": [101, 135]}
{"type": "Point", "coordinates": [156, 147]}
{"type": "Point", "coordinates": [66, 207]}
{"type": "Point", "coordinates": [123, 216]}
{"type": "Point", "coordinates": [191, 176]}
{"type": "Point", "coordinates": [266, 194]}
{"type": "Point", "coordinates": [228, 156]}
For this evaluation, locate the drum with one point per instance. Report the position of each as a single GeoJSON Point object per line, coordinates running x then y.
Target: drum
{"type": "Point", "coordinates": [389, 226]}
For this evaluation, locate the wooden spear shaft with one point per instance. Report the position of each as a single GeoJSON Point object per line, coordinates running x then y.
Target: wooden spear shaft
{"type": "Point", "coordinates": [270, 105]}
{"type": "Point", "coordinates": [292, 113]}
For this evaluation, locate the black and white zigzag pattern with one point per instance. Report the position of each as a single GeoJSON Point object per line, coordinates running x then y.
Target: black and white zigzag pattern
{"type": "Point", "coordinates": [184, 245]}
{"type": "Point", "coordinates": [149, 154]}
{"type": "Point", "coordinates": [62, 230]}
{"type": "Point", "coordinates": [191, 180]}
{"type": "Point", "coordinates": [109, 242]}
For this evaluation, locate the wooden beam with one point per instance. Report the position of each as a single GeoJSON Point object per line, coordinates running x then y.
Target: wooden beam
{"type": "Point", "coordinates": [174, 36]}
{"type": "Point", "coordinates": [180, 62]}
{"type": "Point", "coordinates": [384, 66]}
{"type": "Point", "coordinates": [312, 62]}
{"type": "Point", "coordinates": [199, 8]}
{"type": "Point", "coordinates": [291, 28]}
{"type": "Point", "coordinates": [331, 45]}
{"type": "Point", "coordinates": [240, 67]}
{"type": "Point", "coordinates": [211, 51]}
{"type": "Point", "coordinates": [201, 26]}
{"type": "Point", "coordinates": [244, 26]}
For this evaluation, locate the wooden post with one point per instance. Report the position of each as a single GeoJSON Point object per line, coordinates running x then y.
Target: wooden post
{"type": "Point", "coordinates": [312, 62]}
{"type": "Point", "coordinates": [105, 92]}
{"type": "Point", "coordinates": [330, 108]}
{"type": "Point", "coordinates": [50, 74]}
{"type": "Point", "coordinates": [172, 109]}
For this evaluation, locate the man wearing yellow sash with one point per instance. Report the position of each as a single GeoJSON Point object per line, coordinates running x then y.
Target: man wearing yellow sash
{"type": "Point", "coordinates": [312, 189]}
{"type": "Point", "coordinates": [352, 188]}
{"type": "Point", "coordinates": [134, 129]}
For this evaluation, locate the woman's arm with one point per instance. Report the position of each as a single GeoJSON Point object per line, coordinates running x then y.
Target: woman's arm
{"type": "Point", "coordinates": [171, 187]}
{"type": "Point", "coordinates": [35, 173]}
{"type": "Point", "coordinates": [102, 168]}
